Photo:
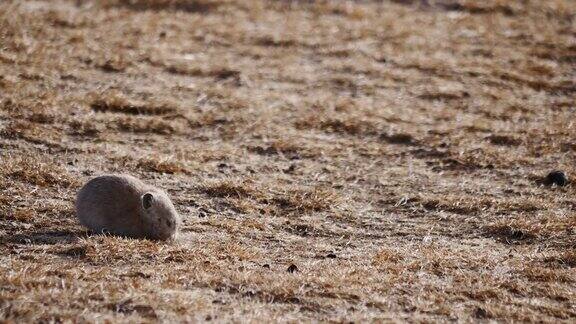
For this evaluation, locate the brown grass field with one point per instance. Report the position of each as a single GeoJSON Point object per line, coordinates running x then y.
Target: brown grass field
{"type": "Point", "coordinates": [343, 161]}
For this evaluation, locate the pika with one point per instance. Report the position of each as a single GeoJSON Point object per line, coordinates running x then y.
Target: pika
{"type": "Point", "coordinates": [125, 206]}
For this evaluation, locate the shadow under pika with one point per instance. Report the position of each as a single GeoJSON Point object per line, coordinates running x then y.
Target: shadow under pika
{"type": "Point", "coordinates": [44, 237]}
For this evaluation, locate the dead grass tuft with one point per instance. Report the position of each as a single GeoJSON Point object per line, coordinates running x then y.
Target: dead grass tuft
{"type": "Point", "coordinates": [156, 165]}
{"type": "Point", "coordinates": [128, 307]}
{"type": "Point", "coordinates": [22, 215]}
{"type": "Point", "coordinates": [85, 128]}
{"type": "Point", "coordinates": [458, 206]}
{"type": "Point", "coordinates": [113, 65]}
{"type": "Point", "coordinates": [515, 233]}
{"type": "Point", "coordinates": [229, 188]}
{"type": "Point", "coordinates": [275, 42]}
{"type": "Point", "coordinates": [34, 133]}
{"type": "Point", "coordinates": [539, 274]}
{"type": "Point", "coordinates": [564, 259]}
{"type": "Point", "coordinates": [343, 125]}
{"type": "Point", "coordinates": [100, 249]}
{"type": "Point", "coordinates": [162, 166]}
{"type": "Point", "coordinates": [477, 9]}
{"type": "Point", "coordinates": [386, 256]}
{"type": "Point", "coordinates": [306, 201]}
{"type": "Point", "coordinates": [42, 118]}
{"type": "Point", "coordinates": [201, 6]}
{"type": "Point", "coordinates": [116, 103]}
{"type": "Point", "coordinates": [282, 147]}
{"type": "Point", "coordinates": [504, 140]}
{"type": "Point", "coordinates": [36, 171]}
{"type": "Point", "coordinates": [219, 74]}
{"type": "Point", "coordinates": [152, 126]}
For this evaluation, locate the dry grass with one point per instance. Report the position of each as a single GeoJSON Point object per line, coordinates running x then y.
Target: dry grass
{"type": "Point", "coordinates": [117, 104]}
{"type": "Point", "coordinates": [333, 160]}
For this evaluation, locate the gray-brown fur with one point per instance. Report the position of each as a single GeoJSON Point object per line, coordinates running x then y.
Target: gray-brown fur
{"type": "Point", "coordinates": [123, 205]}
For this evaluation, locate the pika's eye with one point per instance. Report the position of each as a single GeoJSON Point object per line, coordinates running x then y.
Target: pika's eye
{"type": "Point", "coordinates": [169, 223]}
{"type": "Point", "coordinates": [147, 200]}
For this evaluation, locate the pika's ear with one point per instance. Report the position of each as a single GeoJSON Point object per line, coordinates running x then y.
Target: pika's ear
{"type": "Point", "coordinates": [147, 200]}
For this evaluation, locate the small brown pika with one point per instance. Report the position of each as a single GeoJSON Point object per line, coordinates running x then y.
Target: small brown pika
{"type": "Point", "coordinates": [125, 206]}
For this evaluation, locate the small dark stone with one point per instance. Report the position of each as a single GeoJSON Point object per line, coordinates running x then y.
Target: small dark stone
{"type": "Point", "coordinates": [517, 235]}
{"type": "Point", "coordinates": [480, 313]}
{"type": "Point", "coordinates": [556, 177]}
{"type": "Point", "coordinates": [290, 169]}
{"type": "Point", "coordinates": [406, 139]}
{"type": "Point", "coordinates": [331, 256]}
{"type": "Point", "coordinates": [208, 318]}
{"type": "Point", "coordinates": [203, 212]}
{"type": "Point", "coordinates": [292, 268]}
{"type": "Point", "coordinates": [226, 74]}
{"type": "Point", "coordinates": [267, 266]}
{"type": "Point", "coordinates": [504, 140]}
{"type": "Point", "coordinates": [162, 34]}
{"type": "Point", "coordinates": [111, 66]}
{"type": "Point", "coordinates": [249, 293]}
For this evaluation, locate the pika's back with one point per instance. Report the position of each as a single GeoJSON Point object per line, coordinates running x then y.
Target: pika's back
{"type": "Point", "coordinates": [110, 192]}
{"type": "Point", "coordinates": [111, 185]}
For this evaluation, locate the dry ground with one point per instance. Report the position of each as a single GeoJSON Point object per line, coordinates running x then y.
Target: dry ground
{"type": "Point", "coordinates": [388, 152]}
